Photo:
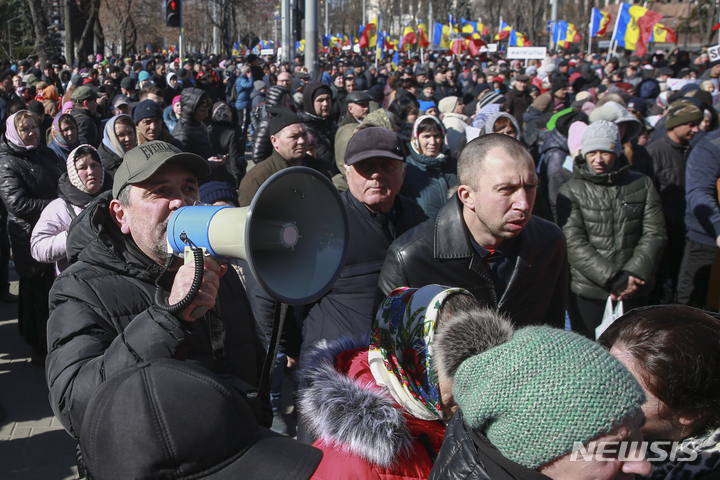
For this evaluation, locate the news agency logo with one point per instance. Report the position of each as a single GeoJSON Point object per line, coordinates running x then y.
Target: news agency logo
{"type": "Point", "coordinates": [632, 451]}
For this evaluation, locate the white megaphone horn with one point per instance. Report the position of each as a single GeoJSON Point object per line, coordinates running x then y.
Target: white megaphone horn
{"type": "Point", "coordinates": [294, 234]}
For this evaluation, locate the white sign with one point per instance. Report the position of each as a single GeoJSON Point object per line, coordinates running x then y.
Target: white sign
{"type": "Point", "coordinates": [714, 53]}
{"type": "Point", "coordinates": [492, 47]}
{"type": "Point", "coordinates": [356, 48]}
{"type": "Point", "coordinates": [346, 47]}
{"type": "Point", "coordinates": [675, 84]}
{"type": "Point", "coordinates": [604, 44]}
{"type": "Point", "coordinates": [456, 36]}
{"type": "Point", "coordinates": [267, 51]}
{"type": "Point", "coordinates": [526, 52]}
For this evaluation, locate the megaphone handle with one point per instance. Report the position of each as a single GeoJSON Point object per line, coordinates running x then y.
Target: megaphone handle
{"type": "Point", "coordinates": [194, 288]}
{"type": "Point", "coordinates": [269, 365]}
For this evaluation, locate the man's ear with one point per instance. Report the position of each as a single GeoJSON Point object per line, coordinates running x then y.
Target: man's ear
{"type": "Point", "coordinates": [119, 214]}
{"type": "Point", "coordinates": [465, 195]}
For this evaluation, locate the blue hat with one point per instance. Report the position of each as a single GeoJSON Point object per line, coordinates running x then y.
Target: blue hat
{"type": "Point", "coordinates": [425, 105]}
{"type": "Point", "coordinates": [143, 76]}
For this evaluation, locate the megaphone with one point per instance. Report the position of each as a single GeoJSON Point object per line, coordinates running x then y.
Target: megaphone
{"type": "Point", "coordinates": [294, 235]}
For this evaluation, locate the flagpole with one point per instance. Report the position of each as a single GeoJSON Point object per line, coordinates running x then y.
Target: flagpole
{"type": "Point", "coordinates": [377, 42]}
{"type": "Point", "coordinates": [590, 36]}
{"type": "Point", "coordinates": [613, 37]}
{"type": "Point", "coordinates": [431, 26]}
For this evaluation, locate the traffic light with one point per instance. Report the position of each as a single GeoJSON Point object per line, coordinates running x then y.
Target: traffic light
{"type": "Point", "coordinates": [173, 12]}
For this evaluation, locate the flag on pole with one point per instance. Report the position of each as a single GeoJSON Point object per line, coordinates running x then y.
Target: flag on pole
{"type": "Point", "coordinates": [380, 41]}
{"type": "Point", "coordinates": [474, 28]}
{"type": "Point", "coordinates": [661, 33]}
{"type": "Point", "coordinates": [565, 33]}
{"type": "Point", "coordinates": [396, 60]}
{"type": "Point", "coordinates": [408, 38]}
{"type": "Point", "coordinates": [504, 32]}
{"type": "Point", "coordinates": [631, 36]}
{"type": "Point", "coordinates": [369, 35]}
{"type": "Point", "coordinates": [600, 21]}
{"type": "Point", "coordinates": [423, 41]}
{"type": "Point", "coordinates": [517, 39]}
{"type": "Point", "coordinates": [235, 49]}
{"type": "Point", "coordinates": [442, 35]}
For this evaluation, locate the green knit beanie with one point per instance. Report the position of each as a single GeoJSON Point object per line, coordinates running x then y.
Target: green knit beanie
{"type": "Point", "coordinates": [542, 391]}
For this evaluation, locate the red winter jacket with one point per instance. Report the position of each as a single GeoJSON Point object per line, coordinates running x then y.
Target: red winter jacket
{"type": "Point", "coordinates": [363, 433]}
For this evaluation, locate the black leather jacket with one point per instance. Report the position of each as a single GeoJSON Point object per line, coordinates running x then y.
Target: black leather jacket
{"type": "Point", "coordinates": [440, 251]}
{"type": "Point", "coordinates": [467, 455]}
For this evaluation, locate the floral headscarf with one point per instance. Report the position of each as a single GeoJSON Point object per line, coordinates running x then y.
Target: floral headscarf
{"type": "Point", "coordinates": [55, 129]}
{"type": "Point", "coordinates": [401, 348]}
{"type": "Point", "coordinates": [415, 141]}
{"type": "Point", "coordinates": [221, 112]}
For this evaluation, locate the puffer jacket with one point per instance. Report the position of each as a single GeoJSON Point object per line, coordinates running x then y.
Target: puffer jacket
{"type": "Point", "coordinates": [103, 319]}
{"type": "Point", "coordinates": [429, 179]}
{"type": "Point", "coordinates": [262, 148]}
{"type": "Point", "coordinates": [553, 174]}
{"type": "Point", "coordinates": [243, 88]}
{"type": "Point", "coordinates": [613, 223]}
{"type": "Point", "coordinates": [362, 431]}
{"type": "Point", "coordinates": [440, 251]}
{"type": "Point", "coordinates": [49, 237]}
{"type": "Point", "coordinates": [28, 183]}
{"type": "Point", "coordinates": [467, 455]}
{"type": "Point", "coordinates": [192, 134]}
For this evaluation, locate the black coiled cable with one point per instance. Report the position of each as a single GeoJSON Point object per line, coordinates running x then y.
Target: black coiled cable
{"type": "Point", "coordinates": [196, 283]}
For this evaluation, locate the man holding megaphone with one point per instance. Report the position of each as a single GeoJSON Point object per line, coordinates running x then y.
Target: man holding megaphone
{"type": "Point", "coordinates": [103, 313]}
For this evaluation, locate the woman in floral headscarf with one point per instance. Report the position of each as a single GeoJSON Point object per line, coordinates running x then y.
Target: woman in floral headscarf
{"type": "Point", "coordinates": [376, 407]}
{"type": "Point", "coordinates": [63, 136]}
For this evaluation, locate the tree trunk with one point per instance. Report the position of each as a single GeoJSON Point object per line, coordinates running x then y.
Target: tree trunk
{"type": "Point", "coordinates": [99, 37]}
{"type": "Point", "coordinates": [69, 37]}
{"type": "Point", "coordinates": [85, 44]}
{"type": "Point", "coordinates": [42, 40]}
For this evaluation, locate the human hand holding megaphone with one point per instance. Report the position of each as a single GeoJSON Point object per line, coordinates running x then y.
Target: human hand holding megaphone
{"type": "Point", "coordinates": [205, 298]}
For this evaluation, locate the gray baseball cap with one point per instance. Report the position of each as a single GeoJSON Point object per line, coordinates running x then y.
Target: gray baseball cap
{"type": "Point", "coordinates": [143, 161]}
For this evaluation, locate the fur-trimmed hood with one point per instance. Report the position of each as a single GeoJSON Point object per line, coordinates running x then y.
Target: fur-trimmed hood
{"type": "Point", "coordinates": [348, 414]}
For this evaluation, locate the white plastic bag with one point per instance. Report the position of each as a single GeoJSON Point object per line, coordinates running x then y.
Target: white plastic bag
{"type": "Point", "coordinates": [611, 314]}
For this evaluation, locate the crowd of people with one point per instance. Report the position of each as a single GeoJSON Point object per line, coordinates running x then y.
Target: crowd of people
{"type": "Point", "coordinates": [497, 211]}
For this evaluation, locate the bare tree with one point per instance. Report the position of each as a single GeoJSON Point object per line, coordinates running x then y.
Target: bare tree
{"type": "Point", "coordinates": [42, 40]}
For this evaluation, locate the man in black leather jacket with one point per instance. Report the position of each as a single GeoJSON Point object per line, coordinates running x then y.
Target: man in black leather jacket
{"type": "Point", "coordinates": [484, 239]}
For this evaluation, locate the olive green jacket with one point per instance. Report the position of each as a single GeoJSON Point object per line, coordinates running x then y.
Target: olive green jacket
{"type": "Point", "coordinates": [613, 222]}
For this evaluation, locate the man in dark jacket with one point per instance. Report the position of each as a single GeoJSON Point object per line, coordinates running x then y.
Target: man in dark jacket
{"type": "Point", "coordinates": [484, 239]}
{"type": "Point", "coordinates": [377, 216]}
{"type": "Point", "coordinates": [669, 157]}
{"type": "Point", "coordinates": [103, 318]}
{"type": "Point", "coordinates": [85, 105]}
{"type": "Point", "coordinates": [518, 99]}
{"type": "Point", "coordinates": [317, 105]}
{"type": "Point", "coordinates": [289, 140]}
{"type": "Point", "coordinates": [702, 217]}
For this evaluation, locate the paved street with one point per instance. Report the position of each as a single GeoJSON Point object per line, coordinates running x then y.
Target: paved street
{"type": "Point", "coordinates": [33, 445]}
